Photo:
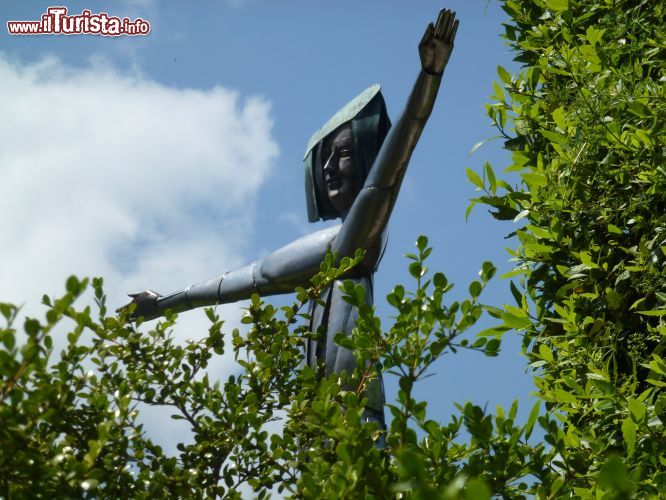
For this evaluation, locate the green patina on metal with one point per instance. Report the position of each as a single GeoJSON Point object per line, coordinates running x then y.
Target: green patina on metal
{"type": "Point", "coordinates": [346, 113]}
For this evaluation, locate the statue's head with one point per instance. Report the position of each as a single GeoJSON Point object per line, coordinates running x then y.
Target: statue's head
{"type": "Point", "coordinates": [341, 153]}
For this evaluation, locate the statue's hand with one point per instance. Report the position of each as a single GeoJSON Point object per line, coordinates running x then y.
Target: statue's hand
{"type": "Point", "coordinates": [437, 42]}
{"type": "Point", "coordinates": [146, 304]}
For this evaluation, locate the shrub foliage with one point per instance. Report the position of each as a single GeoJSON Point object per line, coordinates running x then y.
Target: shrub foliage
{"type": "Point", "coordinates": [584, 120]}
{"type": "Point", "coordinates": [71, 423]}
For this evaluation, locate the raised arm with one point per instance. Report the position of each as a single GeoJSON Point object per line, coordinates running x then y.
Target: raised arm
{"type": "Point", "coordinates": [281, 272]}
{"type": "Point", "coordinates": [370, 211]}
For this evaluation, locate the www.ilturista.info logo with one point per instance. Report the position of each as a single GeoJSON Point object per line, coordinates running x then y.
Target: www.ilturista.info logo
{"type": "Point", "coordinates": [56, 21]}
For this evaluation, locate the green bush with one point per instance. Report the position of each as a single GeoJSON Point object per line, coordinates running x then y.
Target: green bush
{"type": "Point", "coordinates": [584, 120]}
{"type": "Point", "coordinates": [70, 424]}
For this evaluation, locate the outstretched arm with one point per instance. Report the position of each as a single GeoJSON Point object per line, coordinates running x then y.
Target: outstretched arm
{"type": "Point", "coordinates": [370, 212]}
{"type": "Point", "coordinates": [281, 272]}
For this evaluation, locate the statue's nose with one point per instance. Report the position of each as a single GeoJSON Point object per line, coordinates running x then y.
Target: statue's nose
{"type": "Point", "coordinates": [330, 165]}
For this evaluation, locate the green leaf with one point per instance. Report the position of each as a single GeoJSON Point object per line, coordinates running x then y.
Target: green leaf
{"type": "Point", "coordinates": [73, 285]}
{"type": "Point", "coordinates": [657, 364]}
{"type": "Point", "coordinates": [598, 376]}
{"type": "Point", "coordinates": [471, 205]}
{"type": "Point", "coordinates": [529, 426]}
{"type": "Point", "coordinates": [490, 175]}
{"type": "Point", "coordinates": [393, 300]}
{"type": "Point", "coordinates": [474, 178]}
{"type": "Point", "coordinates": [504, 75]}
{"type": "Point", "coordinates": [593, 35]}
{"type": "Point", "coordinates": [656, 312]}
{"type": "Point", "coordinates": [480, 342]}
{"type": "Point", "coordinates": [562, 396]}
{"type": "Point", "coordinates": [477, 489]}
{"type": "Point", "coordinates": [439, 280]}
{"type": "Point", "coordinates": [540, 232]}
{"type": "Point", "coordinates": [636, 409]}
{"type": "Point", "coordinates": [492, 347]}
{"type": "Point", "coordinates": [534, 179]}
{"type": "Point", "coordinates": [518, 297]}
{"type": "Point", "coordinates": [557, 5]}
{"type": "Point", "coordinates": [488, 270]}
{"type": "Point", "coordinates": [421, 243]}
{"type": "Point", "coordinates": [614, 229]}
{"type": "Point", "coordinates": [629, 434]}
{"type": "Point", "coordinates": [554, 137]}
{"type": "Point", "coordinates": [614, 476]}
{"type": "Point", "coordinates": [475, 289]}
{"type": "Point", "coordinates": [8, 339]}
{"type": "Point", "coordinates": [586, 259]}
{"type": "Point", "coordinates": [556, 486]}
{"type": "Point", "coordinates": [499, 96]}
{"type": "Point", "coordinates": [32, 326]}
{"type": "Point", "coordinates": [415, 269]}
{"type": "Point", "coordinates": [546, 353]}
{"type": "Point", "coordinates": [481, 143]}
{"type": "Point", "coordinates": [515, 272]}
{"type": "Point", "coordinates": [516, 322]}
{"type": "Point", "coordinates": [558, 117]}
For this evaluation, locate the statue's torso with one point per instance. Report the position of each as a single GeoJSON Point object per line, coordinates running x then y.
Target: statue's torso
{"type": "Point", "coordinates": [334, 315]}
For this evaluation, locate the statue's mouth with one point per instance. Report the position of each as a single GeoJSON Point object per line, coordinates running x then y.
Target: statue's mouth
{"type": "Point", "coordinates": [334, 182]}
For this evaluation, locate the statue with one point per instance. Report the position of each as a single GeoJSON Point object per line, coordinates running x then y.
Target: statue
{"type": "Point", "coordinates": [354, 166]}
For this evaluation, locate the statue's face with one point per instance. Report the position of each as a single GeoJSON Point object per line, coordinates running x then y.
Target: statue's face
{"type": "Point", "coordinates": [339, 169]}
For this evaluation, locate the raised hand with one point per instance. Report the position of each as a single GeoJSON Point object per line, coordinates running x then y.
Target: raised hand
{"type": "Point", "coordinates": [146, 304]}
{"type": "Point", "coordinates": [437, 42]}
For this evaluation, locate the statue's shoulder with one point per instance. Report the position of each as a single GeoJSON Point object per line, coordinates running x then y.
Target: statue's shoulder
{"type": "Point", "coordinates": [324, 235]}
{"type": "Point", "coordinates": [301, 257]}
{"type": "Point", "coordinates": [318, 242]}
{"type": "Point", "coordinates": [319, 239]}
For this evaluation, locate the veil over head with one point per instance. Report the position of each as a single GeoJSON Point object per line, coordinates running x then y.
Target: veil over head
{"type": "Point", "coordinates": [369, 124]}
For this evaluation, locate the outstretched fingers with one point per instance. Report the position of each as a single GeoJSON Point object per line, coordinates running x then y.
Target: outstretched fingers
{"type": "Point", "coordinates": [427, 36]}
{"type": "Point", "coordinates": [444, 22]}
{"type": "Point", "coordinates": [446, 25]}
{"type": "Point", "coordinates": [451, 36]}
{"type": "Point", "coordinates": [449, 24]}
{"type": "Point", "coordinates": [439, 24]}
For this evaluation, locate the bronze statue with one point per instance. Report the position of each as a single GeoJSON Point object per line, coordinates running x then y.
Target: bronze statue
{"type": "Point", "coordinates": [354, 166]}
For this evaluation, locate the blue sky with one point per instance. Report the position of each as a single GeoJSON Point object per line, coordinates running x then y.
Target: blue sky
{"type": "Point", "coordinates": [163, 160]}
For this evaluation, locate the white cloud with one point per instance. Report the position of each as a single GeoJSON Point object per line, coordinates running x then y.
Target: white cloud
{"type": "Point", "coordinates": [115, 175]}
{"type": "Point", "coordinates": [95, 165]}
